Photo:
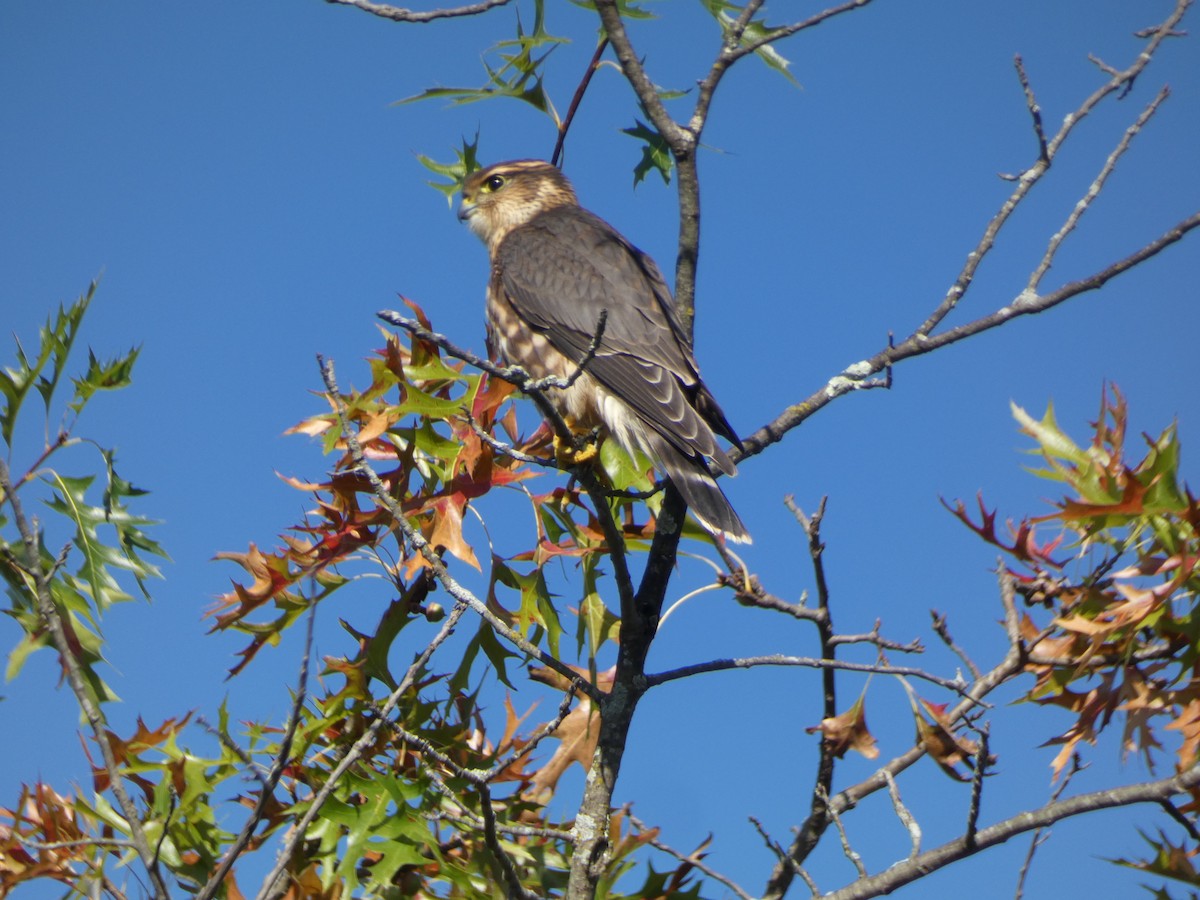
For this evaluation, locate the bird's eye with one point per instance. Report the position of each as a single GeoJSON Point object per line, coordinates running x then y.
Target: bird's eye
{"type": "Point", "coordinates": [494, 183]}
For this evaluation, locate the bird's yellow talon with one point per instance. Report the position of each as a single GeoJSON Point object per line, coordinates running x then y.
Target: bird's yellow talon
{"type": "Point", "coordinates": [567, 455]}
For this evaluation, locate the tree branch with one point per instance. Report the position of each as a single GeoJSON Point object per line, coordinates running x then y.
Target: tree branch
{"type": "Point", "coordinates": [275, 884]}
{"type": "Point", "coordinates": [922, 340]}
{"type": "Point", "coordinates": [565, 125]}
{"type": "Point", "coordinates": [536, 389]}
{"type": "Point", "coordinates": [917, 867]}
{"type": "Point", "coordinates": [400, 14]}
{"type": "Point", "coordinates": [418, 542]}
{"type": "Point", "coordinates": [919, 344]}
{"type": "Point", "coordinates": [812, 662]}
{"type": "Point", "coordinates": [809, 833]}
{"type": "Point", "coordinates": [268, 783]}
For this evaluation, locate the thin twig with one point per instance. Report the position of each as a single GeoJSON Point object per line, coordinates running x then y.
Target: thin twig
{"type": "Point", "coordinates": [544, 731]}
{"type": "Point", "coordinates": [874, 638]}
{"type": "Point", "coordinates": [750, 662]}
{"type": "Point", "coordinates": [275, 884]}
{"type": "Point", "coordinates": [504, 449]}
{"type": "Point", "coordinates": [942, 631]}
{"type": "Point", "coordinates": [906, 818]}
{"type": "Point", "coordinates": [1174, 812]}
{"type": "Point", "coordinates": [400, 14]}
{"type": "Point", "coordinates": [1041, 835]}
{"type": "Point", "coordinates": [282, 758]}
{"type": "Point", "coordinates": [783, 857]}
{"type": "Point", "coordinates": [1093, 191]}
{"type": "Point", "coordinates": [692, 859]}
{"type": "Point", "coordinates": [982, 757]}
{"type": "Point", "coordinates": [565, 125]}
{"type": "Point", "coordinates": [487, 813]}
{"type": "Point", "coordinates": [1035, 111]}
{"type": "Point", "coordinates": [421, 545]}
{"type": "Point", "coordinates": [849, 852]}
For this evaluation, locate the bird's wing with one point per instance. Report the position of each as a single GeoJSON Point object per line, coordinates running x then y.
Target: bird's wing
{"type": "Point", "coordinates": [561, 270]}
{"type": "Point", "coordinates": [566, 265]}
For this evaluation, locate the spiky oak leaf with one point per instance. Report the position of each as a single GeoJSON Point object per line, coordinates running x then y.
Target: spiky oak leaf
{"type": "Point", "coordinates": [1187, 723]}
{"type": "Point", "coordinates": [1092, 710]}
{"type": "Point", "coordinates": [577, 734]}
{"type": "Point", "coordinates": [1169, 861]}
{"type": "Point", "coordinates": [945, 747]}
{"type": "Point", "coordinates": [848, 731]}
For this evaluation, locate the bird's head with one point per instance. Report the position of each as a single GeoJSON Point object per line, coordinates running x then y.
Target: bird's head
{"type": "Point", "coordinates": [507, 195]}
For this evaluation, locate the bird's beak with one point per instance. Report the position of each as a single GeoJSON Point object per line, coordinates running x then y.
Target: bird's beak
{"type": "Point", "coordinates": [466, 210]}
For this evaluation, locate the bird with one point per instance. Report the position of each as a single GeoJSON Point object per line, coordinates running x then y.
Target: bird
{"type": "Point", "coordinates": [560, 276]}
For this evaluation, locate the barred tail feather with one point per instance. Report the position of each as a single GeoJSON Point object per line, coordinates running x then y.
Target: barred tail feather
{"type": "Point", "coordinates": [704, 498]}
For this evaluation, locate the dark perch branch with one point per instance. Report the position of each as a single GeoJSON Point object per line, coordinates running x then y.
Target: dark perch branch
{"type": "Point", "coordinates": [565, 126]}
{"type": "Point", "coordinates": [826, 665]}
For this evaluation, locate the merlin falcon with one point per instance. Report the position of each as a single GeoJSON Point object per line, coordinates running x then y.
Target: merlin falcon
{"type": "Point", "coordinates": [557, 270]}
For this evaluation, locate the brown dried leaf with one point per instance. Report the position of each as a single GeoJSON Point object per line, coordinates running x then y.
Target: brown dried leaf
{"type": "Point", "coordinates": [577, 734]}
{"type": "Point", "coordinates": [939, 740]}
{"type": "Point", "coordinates": [848, 731]}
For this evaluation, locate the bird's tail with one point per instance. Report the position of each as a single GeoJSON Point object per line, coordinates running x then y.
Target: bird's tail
{"type": "Point", "coordinates": [700, 491]}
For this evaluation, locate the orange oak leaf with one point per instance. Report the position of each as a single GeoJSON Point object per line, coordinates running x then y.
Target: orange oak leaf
{"type": "Point", "coordinates": [848, 731]}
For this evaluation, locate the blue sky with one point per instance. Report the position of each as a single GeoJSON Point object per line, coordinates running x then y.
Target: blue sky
{"type": "Point", "coordinates": [242, 179]}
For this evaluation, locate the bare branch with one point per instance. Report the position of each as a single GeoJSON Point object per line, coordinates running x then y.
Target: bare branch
{"type": "Point", "coordinates": [812, 662]}
{"type": "Point", "coordinates": [919, 344]}
{"type": "Point", "coordinates": [874, 638]}
{"type": "Point", "coordinates": [1174, 812]}
{"type": "Point", "coordinates": [784, 859]}
{"type": "Point", "coordinates": [1047, 151]}
{"type": "Point", "coordinates": [565, 125]}
{"type": "Point", "coordinates": [785, 31]}
{"type": "Point", "coordinates": [919, 866]}
{"type": "Point", "coordinates": [982, 758]}
{"type": "Point", "coordinates": [1041, 835]}
{"type": "Point", "coordinates": [1093, 191]}
{"type": "Point", "coordinates": [848, 851]}
{"type": "Point", "coordinates": [692, 859]}
{"type": "Point", "coordinates": [941, 630]}
{"type": "Point", "coordinates": [906, 818]}
{"type": "Point", "coordinates": [810, 832]}
{"type": "Point", "coordinates": [749, 592]}
{"type": "Point", "coordinates": [1035, 111]}
{"type": "Point", "coordinates": [400, 14]}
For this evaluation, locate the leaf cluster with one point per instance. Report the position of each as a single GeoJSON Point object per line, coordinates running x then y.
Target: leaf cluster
{"type": "Point", "coordinates": [1111, 630]}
